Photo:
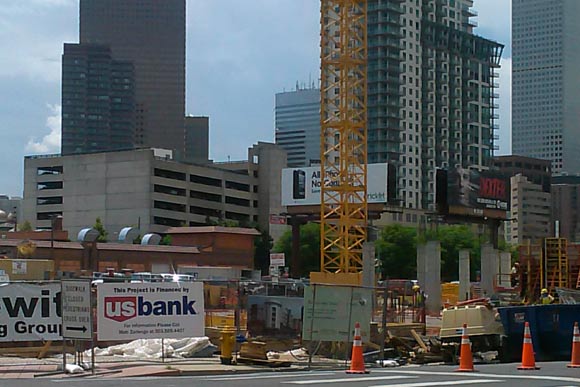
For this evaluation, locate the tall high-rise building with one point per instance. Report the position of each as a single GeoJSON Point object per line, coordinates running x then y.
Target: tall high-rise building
{"type": "Point", "coordinates": [431, 99]}
{"type": "Point", "coordinates": [98, 100]}
{"type": "Point", "coordinates": [566, 206]}
{"type": "Point", "coordinates": [197, 139]}
{"type": "Point", "coordinates": [298, 125]}
{"type": "Point", "coordinates": [530, 209]}
{"type": "Point", "coordinates": [545, 85]}
{"type": "Point", "coordinates": [150, 34]}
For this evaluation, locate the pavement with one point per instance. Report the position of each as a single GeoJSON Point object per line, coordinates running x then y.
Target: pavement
{"type": "Point", "coordinates": [12, 367]}
{"type": "Point", "coordinates": [122, 367]}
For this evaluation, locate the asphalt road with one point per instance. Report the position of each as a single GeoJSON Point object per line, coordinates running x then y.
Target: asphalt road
{"type": "Point", "coordinates": [551, 374]}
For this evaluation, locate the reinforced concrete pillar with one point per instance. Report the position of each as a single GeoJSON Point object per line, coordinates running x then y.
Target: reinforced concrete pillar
{"type": "Point", "coordinates": [421, 253]}
{"type": "Point", "coordinates": [368, 273]}
{"type": "Point", "coordinates": [432, 284]}
{"type": "Point", "coordinates": [489, 268]}
{"type": "Point", "coordinates": [464, 276]}
{"type": "Point", "coordinates": [505, 268]}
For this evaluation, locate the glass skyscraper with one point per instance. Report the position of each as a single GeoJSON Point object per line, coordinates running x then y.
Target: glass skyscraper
{"type": "Point", "coordinates": [298, 126]}
{"type": "Point", "coordinates": [545, 83]}
{"type": "Point", "coordinates": [150, 35]}
{"type": "Point", "coordinates": [98, 100]}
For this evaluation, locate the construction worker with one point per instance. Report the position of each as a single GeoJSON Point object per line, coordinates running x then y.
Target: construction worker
{"type": "Point", "coordinates": [418, 297]}
{"type": "Point", "coordinates": [515, 275]}
{"type": "Point", "coordinates": [418, 304]}
{"type": "Point", "coordinates": [545, 297]}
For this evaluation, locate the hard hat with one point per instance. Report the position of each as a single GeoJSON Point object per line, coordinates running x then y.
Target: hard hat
{"type": "Point", "coordinates": [416, 287]}
{"type": "Point", "coordinates": [544, 291]}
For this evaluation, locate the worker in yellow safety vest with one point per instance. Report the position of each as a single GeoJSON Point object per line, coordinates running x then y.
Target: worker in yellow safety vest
{"type": "Point", "coordinates": [419, 297]}
{"type": "Point", "coordinates": [545, 297]}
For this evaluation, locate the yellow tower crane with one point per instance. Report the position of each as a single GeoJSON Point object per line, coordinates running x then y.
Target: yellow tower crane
{"type": "Point", "coordinates": [343, 116]}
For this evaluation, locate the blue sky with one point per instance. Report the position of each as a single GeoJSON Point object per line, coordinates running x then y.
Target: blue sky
{"type": "Point", "coordinates": [239, 54]}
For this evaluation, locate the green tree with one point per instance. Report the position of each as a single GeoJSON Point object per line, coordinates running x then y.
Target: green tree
{"type": "Point", "coordinates": [166, 240]}
{"type": "Point", "coordinates": [101, 230]}
{"type": "Point", "coordinates": [26, 226]}
{"type": "Point", "coordinates": [396, 249]}
{"type": "Point", "coordinates": [221, 222]}
{"type": "Point", "coordinates": [309, 248]}
{"type": "Point", "coordinates": [454, 238]}
{"type": "Point", "coordinates": [262, 247]}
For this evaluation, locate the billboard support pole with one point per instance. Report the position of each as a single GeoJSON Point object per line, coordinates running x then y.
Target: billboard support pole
{"type": "Point", "coordinates": [493, 226]}
{"type": "Point", "coordinates": [384, 322]}
{"type": "Point", "coordinates": [63, 355]}
{"type": "Point", "coordinates": [93, 356]}
{"type": "Point", "coordinates": [312, 326]}
{"type": "Point", "coordinates": [349, 333]}
{"type": "Point", "coordinates": [296, 269]}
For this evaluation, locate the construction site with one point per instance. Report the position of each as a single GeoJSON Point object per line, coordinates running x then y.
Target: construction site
{"type": "Point", "coordinates": [343, 312]}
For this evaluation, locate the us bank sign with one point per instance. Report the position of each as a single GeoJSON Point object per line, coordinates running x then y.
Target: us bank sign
{"type": "Point", "coordinates": [157, 310]}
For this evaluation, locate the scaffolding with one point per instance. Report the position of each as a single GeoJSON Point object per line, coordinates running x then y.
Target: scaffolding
{"type": "Point", "coordinates": [552, 264]}
{"type": "Point", "coordinates": [555, 266]}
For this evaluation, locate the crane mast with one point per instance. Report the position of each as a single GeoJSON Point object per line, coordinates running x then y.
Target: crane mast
{"type": "Point", "coordinates": [343, 116]}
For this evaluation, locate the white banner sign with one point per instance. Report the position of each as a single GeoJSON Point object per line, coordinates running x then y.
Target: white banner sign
{"type": "Point", "coordinates": [301, 186]}
{"type": "Point", "coordinates": [127, 311]}
{"type": "Point", "coordinates": [277, 259]}
{"type": "Point", "coordinates": [30, 312]}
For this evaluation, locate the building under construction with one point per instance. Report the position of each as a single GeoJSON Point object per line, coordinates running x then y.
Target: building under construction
{"type": "Point", "coordinates": [553, 264]}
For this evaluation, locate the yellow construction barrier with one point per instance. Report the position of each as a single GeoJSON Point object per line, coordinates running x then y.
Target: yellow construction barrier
{"type": "Point", "coordinates": [449, 293]}
{"type": "Point", "coordinates": [225, 318]}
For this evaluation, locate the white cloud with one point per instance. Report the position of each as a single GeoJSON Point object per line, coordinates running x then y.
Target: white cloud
{"type": "Point", "coordinates": [494, 20]}
{"type": "Point", "coordinates": [50, 143]}
{"type": "Point", "coordinates": [52, 3]}
{"type": "Point", "coordinates": [34, 32]}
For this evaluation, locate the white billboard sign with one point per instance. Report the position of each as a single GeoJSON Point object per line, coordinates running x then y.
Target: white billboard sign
{"type": "Point", "coordinates": [301, 186]}
{"type": "Point", "coordinates": [128, 311]}
{"type": "Point", "coordinates": [76, 310]}
{"type": "Point", "coordinates": [277, 259]}
{"type": "Point", "coordinates": [30, 312]}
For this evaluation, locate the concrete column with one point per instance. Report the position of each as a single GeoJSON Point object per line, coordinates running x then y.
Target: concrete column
{"type": "Point", "coordinates": [368, 273]}
{"type": "Point", "coordinates": [421, 253]}
{"type": "Point", "coordinates": [464, 276]}
{"type": "Point", "coordinates": [432, 284]}
{"type": "Point", "coordinates": [489, 268]}
{"type": "Point", "coordinates": [505, 268]}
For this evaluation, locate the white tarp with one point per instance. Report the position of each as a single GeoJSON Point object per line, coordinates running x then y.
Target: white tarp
{"type": "Point", "coordinates": [30, 312]}
{"type": "Point", "coordinates": [129, 311]}
{"type": "Point", "coordinates": [151, 348]}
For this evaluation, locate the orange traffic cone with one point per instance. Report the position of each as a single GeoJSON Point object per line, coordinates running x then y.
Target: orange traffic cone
{"type": "Point", "coordinates": [528, 360]}
{"type": "Point", "coordinates": [465, 355]}
{"type": "Point", "coordinates": [357, 363]}
{"type": "Point", "coordinates": [575, 348]}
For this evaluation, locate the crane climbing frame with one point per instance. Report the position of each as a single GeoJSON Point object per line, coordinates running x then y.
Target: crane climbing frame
{"type": "Point", "coordinates": [343, 115]}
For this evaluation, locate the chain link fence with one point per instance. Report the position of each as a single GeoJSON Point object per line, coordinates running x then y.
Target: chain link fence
{"type": "Point", "coordinates": [289, 315]}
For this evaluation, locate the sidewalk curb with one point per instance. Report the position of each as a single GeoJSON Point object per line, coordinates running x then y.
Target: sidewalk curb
{"type": "Point", "coordinates": [172, 371]}
{"type": "Point", "coordinates": [236, 372]}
